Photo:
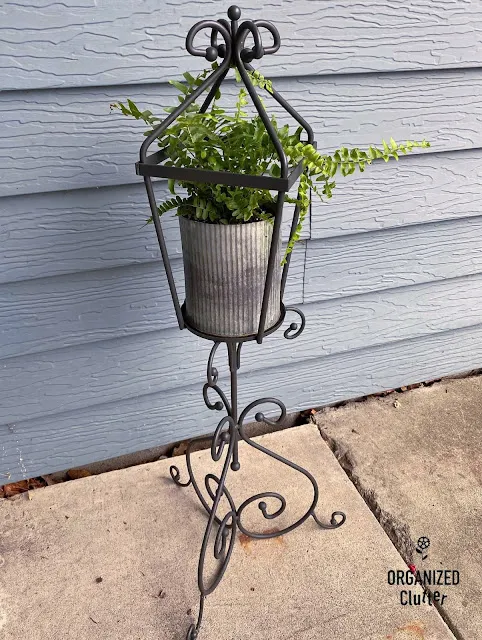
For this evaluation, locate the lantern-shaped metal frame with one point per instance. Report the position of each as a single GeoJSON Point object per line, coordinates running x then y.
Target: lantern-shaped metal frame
{"type": "Point", "coordinates": [231, 428]}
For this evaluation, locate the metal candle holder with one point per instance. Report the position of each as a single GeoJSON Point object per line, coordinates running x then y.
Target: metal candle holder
{"type": "Point", "coordinates": [231, 428]}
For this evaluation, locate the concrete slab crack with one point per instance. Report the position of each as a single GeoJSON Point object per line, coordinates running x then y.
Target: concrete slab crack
{"type": "Point", "coordinates": [396, 530]}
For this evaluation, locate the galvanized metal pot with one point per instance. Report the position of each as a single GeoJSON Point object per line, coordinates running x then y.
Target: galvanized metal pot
{"type": "Point", "coordinates": [225, 270]}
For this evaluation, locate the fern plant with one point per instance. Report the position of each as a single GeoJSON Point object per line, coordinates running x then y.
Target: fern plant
{"type": "Point", "coordinates": [239, 143]}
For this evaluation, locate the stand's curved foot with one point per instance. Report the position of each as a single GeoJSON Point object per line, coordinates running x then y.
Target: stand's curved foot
{"type": "Point", "coordinates": [334, 521]}
{"type": "Point", "coordinates": [174, 469]}
{"type": "Point", "coordinates": [176, 476]}
{"type": "Point", "coordinates": [220, 533]}
{"type": "Point", "coordinates": [192, 633]}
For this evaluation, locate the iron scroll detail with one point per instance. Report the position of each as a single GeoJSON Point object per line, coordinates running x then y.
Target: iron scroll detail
{"type": "Point", "coordinates": [221, 528]}
{"type": "Point", "coordinates": [234, 37]}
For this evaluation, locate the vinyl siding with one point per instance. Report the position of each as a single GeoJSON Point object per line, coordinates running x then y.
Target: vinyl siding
{"type": "Point", "coordinates": [388, 273]}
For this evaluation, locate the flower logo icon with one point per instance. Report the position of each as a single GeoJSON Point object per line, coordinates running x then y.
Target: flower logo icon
{"type": "Point", "coordinates": [423, 543]}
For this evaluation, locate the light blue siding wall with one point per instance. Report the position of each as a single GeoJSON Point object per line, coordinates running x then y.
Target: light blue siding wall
{"type": "Point", "coordinates": [389, 273]}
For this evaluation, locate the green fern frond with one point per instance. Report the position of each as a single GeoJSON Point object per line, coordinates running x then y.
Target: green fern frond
{"type": "Point", "coordinates": [238, 143]}
{"type": "Point", "coordinates": [303, 201]}
{"type": "Point", "coordinates": [173, 203]}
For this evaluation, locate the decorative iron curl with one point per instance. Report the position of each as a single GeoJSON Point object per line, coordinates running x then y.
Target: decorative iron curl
{"type": "Point", "coordinates": [226, 533]}
{"type": "Point", "coordinates": [222, 437]}
{"type": "Point", "coordinates": [225, 537]}
{"type": "Point", "coordinates": [211, 383]}
{"type": "Point", "coordinates": [224, 528]}
{"type": "Point", "coordinates": [234, 38]}
{"type": "Point", "coordinates": [176, 476]}
{"type": "Point", "coordinates": [260, 417]}
{"type": "Point", "coordinates": [175, 472]}
{"type": "Point", "coordinates": [337, 517]}
{"type": "Point", "coordinates": [219, 440]}
{"type": "Point", "coordinates": [263, 507]}
{"type": "Point", "coordinates": [192, 632]}
{"type": "Point", "coordinates": [334, 521]}
{"type": "Point", "coordinates": [293, 331]}
{"type": "Point", "coordinates": [211, 53]}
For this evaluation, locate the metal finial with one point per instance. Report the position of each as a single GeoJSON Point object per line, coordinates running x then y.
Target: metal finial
{"type": "Point", "coordinates": [234, 12]}
{"type": "Point", "coordinates": [234, 37]}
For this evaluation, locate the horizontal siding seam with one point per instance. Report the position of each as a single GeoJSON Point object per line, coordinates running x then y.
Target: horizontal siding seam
{"type": "Point", "coordinates": [306, 304]}
{"type": "Point", "coordinates": [355, 296]}
{"type": "Point", "coordinates": [303, 76]}
{"type": "Point", "coordinates": [129, 185]}
{"type": "Point", "coordinates": [175, 260]}
{"type": "Point", "coordinates": [269, 370]}
{"type": "Point", "coordinates": [378, 232]}
{"type": "Point", "coordinates": [402, 158]}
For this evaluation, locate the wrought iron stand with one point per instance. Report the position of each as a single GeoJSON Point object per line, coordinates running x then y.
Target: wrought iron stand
{"type": "Point", "coordinates": [231, 429]}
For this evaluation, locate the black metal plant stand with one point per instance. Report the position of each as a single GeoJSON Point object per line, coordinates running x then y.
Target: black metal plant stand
{"type": "Point", "coordinates": [231, 428]}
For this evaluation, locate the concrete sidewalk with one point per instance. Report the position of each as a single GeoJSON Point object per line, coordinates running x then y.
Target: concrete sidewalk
{"type": "Point", "coordinates": [114, 556]}
{"type": "Point", "coordinates": [417, 458]}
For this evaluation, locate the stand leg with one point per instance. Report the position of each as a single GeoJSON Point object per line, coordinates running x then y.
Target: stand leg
{"type": "Point", "coordinates": [226, 528]}
{"type": "Point", "coordinates": [221, 530]}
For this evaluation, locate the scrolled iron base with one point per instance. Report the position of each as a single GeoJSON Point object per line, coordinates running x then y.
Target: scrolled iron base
{"type": "Point", "coordinates": [224, 445]}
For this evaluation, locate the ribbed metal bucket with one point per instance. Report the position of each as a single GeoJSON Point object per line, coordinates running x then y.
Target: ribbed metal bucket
{"type": "Point", "coordinates": [225, 270]}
